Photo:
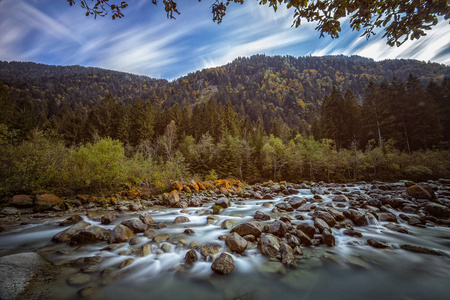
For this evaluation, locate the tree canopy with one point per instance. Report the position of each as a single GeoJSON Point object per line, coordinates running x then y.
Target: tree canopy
{"type": "Point", "coordinates": [401, 20]}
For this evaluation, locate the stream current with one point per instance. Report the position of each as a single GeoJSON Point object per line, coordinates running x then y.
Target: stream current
{"type": "Point", "coordinates": [350, 270]}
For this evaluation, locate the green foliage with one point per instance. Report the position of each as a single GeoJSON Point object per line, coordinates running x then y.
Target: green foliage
{"type": "Point", "coordinates": [418, 172]}
{"type": "Point", "coordinates": [212, 176]}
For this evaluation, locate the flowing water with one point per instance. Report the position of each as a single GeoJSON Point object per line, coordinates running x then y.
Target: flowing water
{"type": "Point", "coordinates": [350, 270]}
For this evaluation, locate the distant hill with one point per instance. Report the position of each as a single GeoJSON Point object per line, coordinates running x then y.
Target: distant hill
{"type": "Point", "coordinates": [260, 86]}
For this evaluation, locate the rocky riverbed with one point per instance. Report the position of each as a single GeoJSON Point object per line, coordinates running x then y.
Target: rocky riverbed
{"type": "Point", "coordinates": [297, 241]}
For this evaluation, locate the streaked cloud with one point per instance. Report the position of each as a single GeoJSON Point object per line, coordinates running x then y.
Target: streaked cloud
{"type": "Point", "coordinates": [146, 42]}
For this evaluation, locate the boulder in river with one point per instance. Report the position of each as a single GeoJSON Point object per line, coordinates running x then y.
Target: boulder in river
{"type": "Point", "coordinates": [236, 243]}
{"type": "Point", "coordinates": [65, 235]}
{"type": "Point", "coordinates": [437, 210]}
{"type": "Point", "coordinates": [181, 219]}
{"type": "Point", "coordinates": [357, 217]}
{"type": "Point", "coordinates": [71, 220]}
{"type": "Point", "coordinates": [173, 198]}
{"type": "Point", "coordinates": [269, 245]}
{"type": "Point", "coordinates": [228, 224]}
{"type": "Point", "coordinates": [147, 219]}
{"type": "Point", "coordinates": [108, 219]}
{"type": "Point", "coordinates": [287, 254]}
{"type": "Point", "coordinates": [120, 234]}
{"type": "Point", "coordinates": [284, 206]}
{"type": "Point", "coordinates": [210, 249]}
{"type": "Point", "coordinates": [191, 257]}
{"type": "Point", "coordinates": [224, 202]}
{"type": "Point", "coordinates": [420, 249]}
{"type": "Point", "coordinates": [21, 201]}
{"type": "Point", "coordinates": [304, 239]}
{"type": "Point", "coordinates": [136, 225]}
{"type": "Point", "coordinates": [307, 228]}
{"type": "Point", "coordinates": [328, 238]}
{"type": "Point", "coordinates": [326, 216]}
{"type": "Point", "coordinates": [89, 235]}
{"type": "Point", "coordinates": [321, 225]}
{"type": "Point", "coordinates": [144, 250]}
{"type": "Point", "coordinates": [418, 192]}
{"type": "Point", "coordinates": [224, 264]}
{"type": "Point", "coordinates": [396, 227]}
{"type": "Point", "coordinates": [254, 228]}
{"type": "Point", "coordinates": [259, 215]}
{"type": "Point", "coordinates": [278, 228]}
{"type": "Point", "coordinates": [377, 244]}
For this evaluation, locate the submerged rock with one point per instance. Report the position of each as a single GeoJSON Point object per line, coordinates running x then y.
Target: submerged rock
{"type": "Point", "coordinates": [181, 219]}
{"type": "Point", "coordinates": [210, 249]}
{"type": "Point", "coordinates": [71, 220]}
{"type": "Point", "coordinates": [377, 244]}
{"type": "Point", "coordinates": [420, 249]}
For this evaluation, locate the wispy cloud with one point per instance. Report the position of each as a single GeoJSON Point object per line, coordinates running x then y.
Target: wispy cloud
{"type": "Point", "coordinates": [146, 42]}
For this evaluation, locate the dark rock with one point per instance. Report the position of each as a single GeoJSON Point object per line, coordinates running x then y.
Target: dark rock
{"type": "Point", "coordinates": [327, 217]}
{"type": "Point", "coordinates": [120, 234]}
{"type": "Point", "coordinates": [268, 197]}
{"type": "Point", "coordinates": [307, 228]}
{"type": "Point", "coordinates": [146, 219]}
{"type": "Point", "coordinates": [136, 225]}
{"type": "Point", "coordinates": [161, 237]}
{"type": "Point", "coordinates": [321, 225]}
{"type": "Point", "coordinates": [418, 192]}
{"type": "Point", "coordinates": [304, 239]}
{"type": "Point", "coordinates": [377, 244]}
{"type": "Point", "coordinates": [420, 249]}
{"type": "Point", "coordinates": [337, 215]}
{"type": "Point", "coordinates": [437, 210]}
{"type": "Point", "coordinates": [10, 211]}
{"type": "Point", "coordinates": [189, 231]}
{"type": "Point", "coordinates": [374, 202]}
{"type": "Point", "coordinates": [71, 220]}
{"type": "Point", "coordinates": [396, 227]}
{"type": "Point", "coordinates": [224, 264]}
{"type": "Point", "coordinates": [278, 228]}
{"type": "Point", "coordinates": [283, 206]}
{"type": "Point", "coordinates": [352, 232]}
{"type": "Point", "coordinates": [296, 202]}
{"type": "Point", "coordinates": [386, 217]}
{"type": "Point", "coordinates": [108, 219]}
{"type": "Point", "coordinates": [181, 219]}
{"type": "Point", "coordinates": [269, 246]}
{"type": "Point", "coordinates": [89, 235]}
{"type": "Point", "coordinates": [259, 215]}
{"type": "Point", "coordinates": [65, 235]}
{"type": "Point", "coordinates": [90, 293]}
{"type": "Point", "coordinates": [340, 198]}
{"type": "Point", "coordinates": [236, 243]}
{"type": "Point", "coordinates": [328, 238]}
{"type": "Point", "coordinates": [191, 257]}
{"type": "Point", "coordinates": [126, 263]}
{"type": "Point", "coordinates": [223, 202]}
{"type": "Point", "coordinates": [287, 254]}
{"type": "Point", "coordinates": [150, 233]}
{"type": "Point", "coordinates": [228, 224]}
{"type": "Point", "coordinates": [254, 228]}
{"type": "Point", "coordinates": [356, 216]}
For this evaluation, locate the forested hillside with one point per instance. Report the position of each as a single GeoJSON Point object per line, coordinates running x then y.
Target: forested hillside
{"type": "Point", "coordinates": [328, 118]}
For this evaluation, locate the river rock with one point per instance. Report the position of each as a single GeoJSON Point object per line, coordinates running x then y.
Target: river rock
{"type": "Point", "coordinates": [420, 249]}
{"type": "Point", "coordinates": [191, 257]}
{"type": "Point", "coordinates": [321, 225]}
{"type": "Point", "coordinates": [144, 250]}
{"type": "Point", "coordinates": [259, 215]}
{"type": "Point", "coordinates": [89, 234]}
{"type": "Point", "coordinates": [418, 192]}
{"type": "Point", "coordinates": [120, 234]}
{"type": "Point", "coordinates": [126, 263]}
{"type": "Point", "coordinates": [21, 201]}
{"type": "Point", "coordinates": [296, 202]}
{"type": "Point", "coordinates": [65, 235]}
{"type": "Point", "coordinates": [136, 225]}
{"type": "Point", "coordinates": [287, 254]}
{"type": "Point", "coordinates": [254, 228]}
{"type": "Point", "coordinates": [10, 211]}
{"type": "Point", "coordinates": [352, 232]}
{"type": "Point", "coordinates": [224, 264]}
{"type": "Point", "coordinates": [236, 243]}
{"type": "Point", "coordinates": [181, 219]}
{"type": "Point", "coordinates": [396, 227]}
{"type": "Point", "coordinates": [210, 249]}
{"type": "Point", "coordinates": [386, 217]}
{"type": "Point", "coordinates": [278, 228]}
{"type": "Point", "coordinates": [161, 237]}
{"type": "Point", "coordinates": [284, 206]}
{"type": "Point", "coordinates": [79, 279]}
{"type": "Point", "coordinates": [71, 220]}
{"type": "Point", "coordinates": [228, 224]}
{"type": "Point", "coordinates": [337, 215]}
{"type": "Point", "coordinates": [89, 293]}
{"type": "Point", "coordinates": [357, 217]}
{"type": "Point", "coordinates": [45, 202]}
{"type": "Point", "coordinates": [326, 216]}
{"type": "Point", "coordinates": [224, 202]}
{"type": "Point", "coordinates": [328, 238]}
{"type": "Point", "coordinates": [147, 219]}
{"type": "Point", "coordinates": [307, 228]}
{"type": "Point", "coordinates": [108, 219]}
{"type": "Point", "coordinates": [304, 239]}
{"type": "Point", "coordinates": [377, 244]}
{"type": "Point", "coordinates": [18, 270]}
{"type": "Point", "coordinates": [340, 198]}
{"type": "Point", "coordinates": [269, 246]}
{"type": "Point", "coordinates": [437, 210]}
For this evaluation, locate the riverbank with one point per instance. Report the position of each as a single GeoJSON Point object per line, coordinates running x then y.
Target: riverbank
{"type": "Point", "coordinates": [283, 238]}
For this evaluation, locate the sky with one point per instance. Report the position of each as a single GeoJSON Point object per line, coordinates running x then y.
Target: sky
{"type": "Point", "coordinates": [145, 42]}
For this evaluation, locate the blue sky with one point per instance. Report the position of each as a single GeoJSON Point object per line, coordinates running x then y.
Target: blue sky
{"type": "Point", "coordinates": [145, 42]}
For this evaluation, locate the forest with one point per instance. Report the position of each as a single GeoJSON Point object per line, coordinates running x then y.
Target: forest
{"type": "Point", "coordinates": [72, 129]}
